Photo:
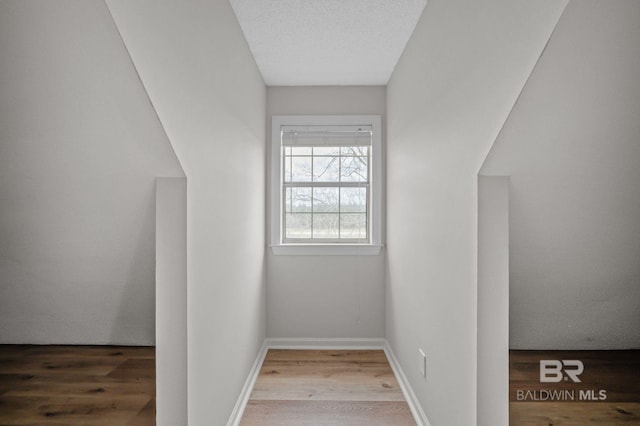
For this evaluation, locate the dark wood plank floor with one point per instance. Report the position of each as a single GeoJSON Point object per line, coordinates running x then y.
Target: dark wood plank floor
{"type": "Point", "coordinates": [77, 385]}
{"type": "Point", "coordinates": [615, 372]}
{"type": "Point", "coordinates": [328, 387]}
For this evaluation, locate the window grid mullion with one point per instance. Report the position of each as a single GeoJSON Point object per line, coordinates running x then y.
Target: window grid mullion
{"type": "Point", "coordinates": [313, 149]}
{"type": "Point", "coordinates": [326, 184]}
{"type": "Point", "coordinates": [339, 193]}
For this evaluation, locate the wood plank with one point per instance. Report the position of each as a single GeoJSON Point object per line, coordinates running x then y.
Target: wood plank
{"type": "Point", "coordinates": [43, 366]}
{"type": "Point", "coordinates": [300, 355]}
{"type": "Point", "coordinates": [70, 410]}
{"type": "Point", "coordinates": [52, 351]}
{"type": "Point", "coordinates": [78, 386]}
{"type": "Point", "coordinates": [10, 381]}
{"type": "Point", "coordinates": [314, 413]}
{"type": "Point", "coordinates": [135, 369]}
{"type": "Point", "coordinates": [326, 390]}
{"type": "Point", "coordinates": [575, 413]}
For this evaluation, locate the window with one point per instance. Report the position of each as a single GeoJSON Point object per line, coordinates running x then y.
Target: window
{"type": "Point", "coordinates": [326, 184]}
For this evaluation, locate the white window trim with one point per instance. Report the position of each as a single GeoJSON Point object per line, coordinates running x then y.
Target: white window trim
{"type": "Point", "coordinates": [371, 248]}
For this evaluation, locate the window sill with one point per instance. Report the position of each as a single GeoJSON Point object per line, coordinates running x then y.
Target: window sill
{"type": "Point", "coordinates": [326, 249]}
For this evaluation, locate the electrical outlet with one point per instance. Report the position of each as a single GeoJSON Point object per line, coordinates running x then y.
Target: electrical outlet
{"type": "Point", "coordinates": [423, 363]}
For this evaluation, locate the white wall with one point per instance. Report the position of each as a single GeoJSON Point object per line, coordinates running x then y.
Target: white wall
{"type": "Point", "coordinates": [210, 97]}
{"type": "Point", "coordinates": [572, 148]}
{"type": "Point", "coordinates": [324, 296]}
{"type": "Point", "coordinates": [493, 301]}
{"type": "Point", "coordinates": [171, 302]}
{"type": "Point", "coordinates": [456, 81]}
{"type": "Point", "coordinates": [80, 147]}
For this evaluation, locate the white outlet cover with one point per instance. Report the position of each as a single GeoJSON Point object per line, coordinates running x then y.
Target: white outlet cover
{"type": "Point", "coordinates": [423, 363]}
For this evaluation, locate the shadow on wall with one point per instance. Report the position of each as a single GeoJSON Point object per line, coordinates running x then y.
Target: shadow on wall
{"type": "Point", "coordinates": [137, 293]}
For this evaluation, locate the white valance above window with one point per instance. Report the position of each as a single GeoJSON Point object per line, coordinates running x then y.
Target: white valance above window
{"type": "Point", "coordinates": [323, 136]}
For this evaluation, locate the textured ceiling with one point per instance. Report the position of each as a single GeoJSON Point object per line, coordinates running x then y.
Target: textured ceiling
{"type": "Point", "coordinates": [327, 42]}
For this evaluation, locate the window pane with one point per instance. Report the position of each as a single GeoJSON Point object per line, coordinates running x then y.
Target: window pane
{"type": "Point", "coordinates": [325, 226]}
{"type": "Point", "coordinates": [355, 151]}
{"type": "Point", "coordinates": [301, 150]}
{"type": "Point", "coordinates": [301, 169]}
{"type": "Point", "coordinates": [354, 169]}
{"type": "Point", "coordinates": [353, 226]}
{"type": "Point", "coordinates": [297, 200]}
{"type": "Point", "coordinates": [325, 200]}
{"type": "Point", "coordinates": [326, 150]}
{"type": "Point", "coordinates": [297, 225]}
{"type": "Point", "coordinates": [353, 200]}
{"type": "Point", "coordinates": [325, 169]}
{"type": "Point", "coordinates": [287, 169]}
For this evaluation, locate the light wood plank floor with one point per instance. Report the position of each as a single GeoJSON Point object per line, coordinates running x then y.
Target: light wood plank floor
{"type": "Point", "coordinates": [77, 385]}
{"type": "Point", "coordinates": [326, 387]}
{"type": "Point", "coordinates": [616, 372]}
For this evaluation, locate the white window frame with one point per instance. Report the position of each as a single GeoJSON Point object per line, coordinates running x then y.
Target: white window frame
{"type": "Point", "coordinates": [312, 248]}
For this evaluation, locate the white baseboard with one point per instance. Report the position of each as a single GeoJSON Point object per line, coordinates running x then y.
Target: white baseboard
{"type": "Point", "coordinates": [322, 343]}
{"type": "Point", "coordinates": [243, 398]}
{"type": "Point", "coordinates": [325, 343]}
{"type": "Point", "coordinates": [414, 405]}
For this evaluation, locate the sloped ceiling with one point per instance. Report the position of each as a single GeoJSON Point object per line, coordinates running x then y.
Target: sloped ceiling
{"type": "Point", "coordinates": [327, 42]}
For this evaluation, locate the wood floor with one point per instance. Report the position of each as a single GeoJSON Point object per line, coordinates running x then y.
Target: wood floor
{"type": "Point", "coordinates": [328, 387]}
{"type": "Point", "coordinates": [615, 372]}
{"type": "Point", "coordinates": [77, 385]}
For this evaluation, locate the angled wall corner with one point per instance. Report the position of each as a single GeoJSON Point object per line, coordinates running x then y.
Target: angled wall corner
{"type": "Point", "coordinates": [80, 148]}
{"type": "Point", "coordinates": [171, 301]}
{"type": "Point", "coordinates": [210, 97]}
{"type": "Point", "coordinates": [441, 122]}
{"type": "Point", "coordinates": [570, 147]}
